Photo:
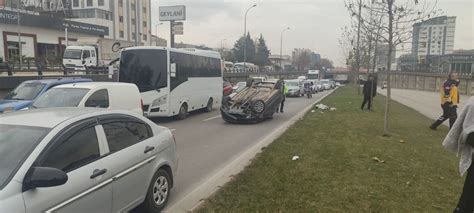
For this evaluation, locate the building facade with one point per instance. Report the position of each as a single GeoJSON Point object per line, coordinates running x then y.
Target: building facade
{"type": "Point", "coordinates": [433, 37]}
{"type": "Point", "coordinates": [382, 57]}
{"type": "Point", "coordinates": [41, 36]}
{"type": "Point", "coordinates": [128, 20]}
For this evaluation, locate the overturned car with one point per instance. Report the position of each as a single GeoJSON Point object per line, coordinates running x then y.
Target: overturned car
{"type": "Point", "coordinates": [255, 103]}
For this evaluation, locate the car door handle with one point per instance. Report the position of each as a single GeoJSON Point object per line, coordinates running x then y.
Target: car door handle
{"type": "Point", "coordinates": [98, 172]}
{"type": "Point", "coordinates": [149, 149]}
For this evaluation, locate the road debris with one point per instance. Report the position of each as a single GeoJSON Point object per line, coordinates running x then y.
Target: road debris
{"type": "Point", "coordinates": [402, 141]}
{"type": "Point", "coordinates": [378, 160]}
{"type": "Point", "coordinates": [312, 110]}
{"type": "Point", "coordinates": [296, 157]}
{"type": "Point", "coordinates": [322, 106]}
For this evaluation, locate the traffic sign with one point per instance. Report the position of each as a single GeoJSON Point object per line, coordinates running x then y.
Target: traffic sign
{"type": "Point", "coordinates": [178, 32]}
{"type": "Point", "coordinates": [177, 28]}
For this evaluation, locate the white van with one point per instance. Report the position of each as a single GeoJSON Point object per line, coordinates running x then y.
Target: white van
{"type": "Point", "coordinates": [109, 95]}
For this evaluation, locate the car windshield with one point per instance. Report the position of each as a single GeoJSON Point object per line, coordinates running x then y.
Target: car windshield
{"type": "Point", "coordinates": [16, 142]}
{"type": "Point", "coordinates": [72, 54]}
{"type": "Point", "coordinates": [292, 83]}
{"type": "Point", "coordinates": [60, 97]}
{"type": "Point", "coordinates": [25, 91]}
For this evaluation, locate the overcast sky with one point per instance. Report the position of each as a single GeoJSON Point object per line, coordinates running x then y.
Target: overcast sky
{"type": "Point", "coordinates": [315, 24]}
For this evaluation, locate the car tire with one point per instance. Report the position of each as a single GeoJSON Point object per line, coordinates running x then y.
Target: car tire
{"type": "Point", "coordinates": [209, 105]}
{"type": "Point", "coordinates": [158, 192]}
{"type": "Point", "coordinates": [183, 111]}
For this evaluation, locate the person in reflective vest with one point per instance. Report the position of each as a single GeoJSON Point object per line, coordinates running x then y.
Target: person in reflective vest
{"type": "Point", "coordinates": [449, 101]}
{"type": "Point", "coordinates": [284, 91]}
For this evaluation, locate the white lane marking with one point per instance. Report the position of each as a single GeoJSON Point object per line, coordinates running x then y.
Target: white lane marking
{"type": "Point", "coordinates": [217, 116]}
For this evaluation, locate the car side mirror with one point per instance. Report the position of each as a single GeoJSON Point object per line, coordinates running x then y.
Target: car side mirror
{"type": "Point", "coordinates": [38, 177]}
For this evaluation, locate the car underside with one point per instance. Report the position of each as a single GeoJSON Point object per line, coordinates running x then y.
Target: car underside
{"type": "Point", "coordinates": [253, 104]}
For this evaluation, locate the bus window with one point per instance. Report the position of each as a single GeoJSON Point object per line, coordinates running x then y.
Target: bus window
{"type": "Point", "coordinates": [145, 68]}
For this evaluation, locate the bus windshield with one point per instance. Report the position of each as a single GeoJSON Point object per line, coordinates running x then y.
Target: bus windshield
{"type": "Point", "coordinates": [313, 76]}
{"type": "Point", "coordinates": [146, 68]}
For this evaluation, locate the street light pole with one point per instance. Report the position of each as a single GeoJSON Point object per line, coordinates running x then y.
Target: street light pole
{"type": "Point", "coordinates": [245, 35]}
{"type": "Point", "coordinates": [222, 43]}
{"type": "Point", "coordinates": [281, 45]}
{"type": "Point", "coordinates": [20, 46]}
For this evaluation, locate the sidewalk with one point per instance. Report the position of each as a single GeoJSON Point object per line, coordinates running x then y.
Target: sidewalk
{"type": "Point", "coordinates": [426, 103]}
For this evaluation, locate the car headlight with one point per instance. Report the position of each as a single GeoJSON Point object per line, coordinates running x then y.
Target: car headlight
{"type": "Point", "coordinates": [258, 106]}
{"type": "Point", "coordinates": [159, 101]}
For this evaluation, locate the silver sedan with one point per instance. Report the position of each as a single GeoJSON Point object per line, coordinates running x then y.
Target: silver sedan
{"type": "Point", "coordinates": [84, 160]}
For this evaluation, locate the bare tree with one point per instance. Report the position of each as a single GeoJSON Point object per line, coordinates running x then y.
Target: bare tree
{"type": "Point", "coordinates": [394, 27]}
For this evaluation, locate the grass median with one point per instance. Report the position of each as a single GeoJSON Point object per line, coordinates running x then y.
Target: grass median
{"type": "Point", "coordinates": [345, 165]}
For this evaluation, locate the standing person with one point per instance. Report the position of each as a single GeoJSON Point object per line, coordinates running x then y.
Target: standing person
{"type": "Point", "coordinates": [449, 101]}
{"type": "Point", "coordinates": [284, 91]}
{"type": "Point", "coordinates": [368, 91]}
{"type": "Point", "coordinates": [460, 139]}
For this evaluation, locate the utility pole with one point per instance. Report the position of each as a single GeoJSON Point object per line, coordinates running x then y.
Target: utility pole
{"type": "Point", "coordinates": [171, 34]}
{"type": "Point", "coordinates": [20, 46]}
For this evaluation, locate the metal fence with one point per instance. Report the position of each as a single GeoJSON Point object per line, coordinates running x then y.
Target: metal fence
{"type": "Point", "coordinates": [41, 70]}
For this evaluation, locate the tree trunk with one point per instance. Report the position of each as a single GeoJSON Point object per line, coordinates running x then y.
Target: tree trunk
{"type": "Point", "coordinates": [358, 48]}
{"type": "Point", "coordinates": [386, 129]}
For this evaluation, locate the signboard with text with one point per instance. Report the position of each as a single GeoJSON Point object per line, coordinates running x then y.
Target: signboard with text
{"type": "Point", "coordinates": [173, 13]}
{"type": "Point", "coordinates": [10, 17]}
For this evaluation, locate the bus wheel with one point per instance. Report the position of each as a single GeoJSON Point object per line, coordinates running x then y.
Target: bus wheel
{"type": "Point", "coordinates": [209, 105]}
{"type": "Point", "coordinates": [183, 111]}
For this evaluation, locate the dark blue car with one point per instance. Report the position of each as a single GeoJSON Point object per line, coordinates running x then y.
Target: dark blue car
{"type": "Point", "coordinates": [25, 93]}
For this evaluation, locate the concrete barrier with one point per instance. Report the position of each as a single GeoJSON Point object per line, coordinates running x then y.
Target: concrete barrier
{"type": "Point", "coordinates": [425, 81]}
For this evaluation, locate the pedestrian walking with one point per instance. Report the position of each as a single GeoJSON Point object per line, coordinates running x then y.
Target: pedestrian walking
{"type": "Point", "coordinates": [449, 101]}
{"type": "Point", "coordinates": [369, 92]}
{"type": "Point", "coordinates": [284, 91]}
{"type": "Point", "coordinates": [460, 139]}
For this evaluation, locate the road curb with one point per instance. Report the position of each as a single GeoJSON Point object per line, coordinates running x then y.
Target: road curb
{"type": "Point", "coordinates": [196, 197]}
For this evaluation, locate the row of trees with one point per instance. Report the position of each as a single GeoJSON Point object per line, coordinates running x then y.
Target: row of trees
{"type": "Point", "coordinates": [257, 51]}
{"type": "Point", "coordinates": [381, 21]}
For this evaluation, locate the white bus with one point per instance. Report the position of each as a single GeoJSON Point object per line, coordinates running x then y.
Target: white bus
{"type": "Point", "coordinates": [173, 82]}
{"type": "Point", "coordinates": [313, 75]}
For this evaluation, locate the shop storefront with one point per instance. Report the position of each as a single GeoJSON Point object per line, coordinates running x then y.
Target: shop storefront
{"type": "Point", "coordinates": [42, 37]}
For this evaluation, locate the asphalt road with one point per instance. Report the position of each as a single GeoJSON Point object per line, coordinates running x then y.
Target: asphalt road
{"type": "Point", "coordinates": [206, 143]}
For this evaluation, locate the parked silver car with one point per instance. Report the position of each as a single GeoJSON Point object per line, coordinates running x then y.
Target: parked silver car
{"type": "Point", "coordinates": [295, 87]}
{"type": "Point", "coordinates": [84, 160]}
{"type": "Point", "coordinates": [326, 84]}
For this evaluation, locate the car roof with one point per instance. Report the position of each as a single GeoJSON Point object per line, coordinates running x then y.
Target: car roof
{"type": "Point", "coordinates": [46, 117]}
{"type": "Point", "coordinates": [92, 85]}
{"type": "Point", "coordinates": [58, 80]}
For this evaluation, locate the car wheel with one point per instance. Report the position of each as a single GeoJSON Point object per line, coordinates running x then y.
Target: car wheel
{"type": "Point", "coordinates": [209, 105]}
{"type": "Point", "coordinates": [158, 192]}
{"type": "Point", "coordinates": [183, 111]}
